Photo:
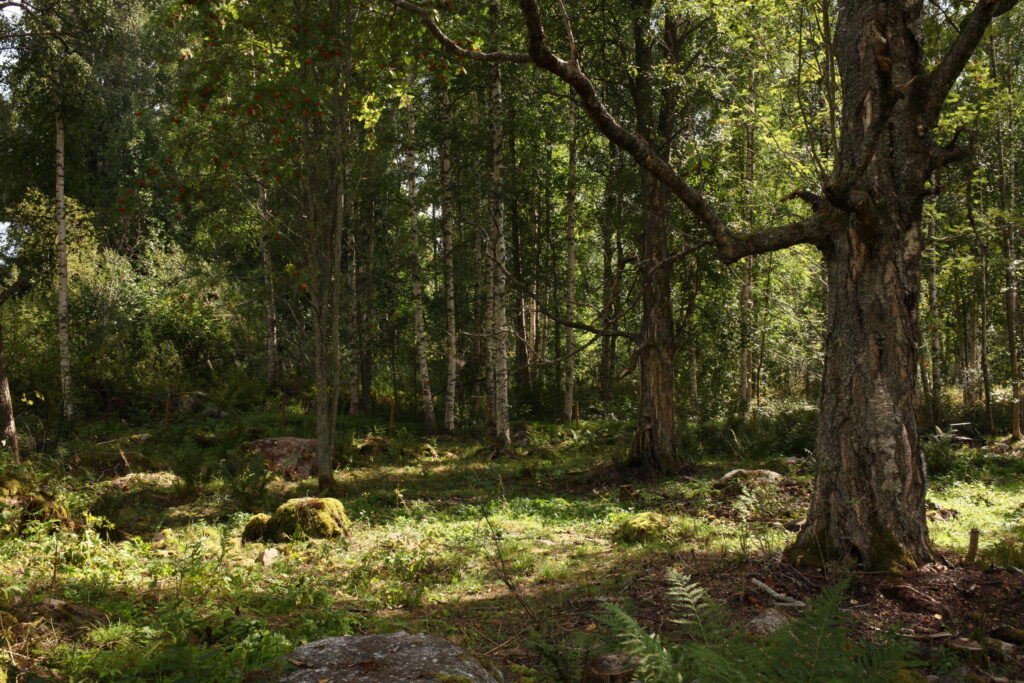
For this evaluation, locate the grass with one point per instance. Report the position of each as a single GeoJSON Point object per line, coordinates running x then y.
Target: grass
{"type": "Point", "coordinates": [508, 558]}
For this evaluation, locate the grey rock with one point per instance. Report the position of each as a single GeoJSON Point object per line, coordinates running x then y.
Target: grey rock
{"type": "Point", "coordinates": [269, 556]}
{"type": "Point", "coordinates": [769, 621]}
{"type": "Point", "coordinates": [384, 658]}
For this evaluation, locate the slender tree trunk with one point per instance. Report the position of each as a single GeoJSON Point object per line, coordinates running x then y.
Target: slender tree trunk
{"type": "Point", "coordinates": [654, 444]}
{"type": "Point", "coordinates": [10, 430]}
{"type": "Point", "coordinates": [499, 335]}
{"type": "Point", "coordinates": [747, 274]}
{"type": "Point", "coordinates": [355, 353]}
{"type": "Point", "coordinates": [568, 398]}
{"type": "Point", "coordinates": [447, 229]}
{"type": "Point", "coordinates": [270, 315]}
{"type": "Point", "coordinates": [422, 369]}
{"type": "Point", "coordinates": [935, 340]}
{"type": "Point", "coordinates": [63, 334]}
{"type": "Point", "coordinates": [983, 285]}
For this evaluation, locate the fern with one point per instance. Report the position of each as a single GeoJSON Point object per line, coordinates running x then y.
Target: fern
{"type": "Point", "coordinates": [814, 648]}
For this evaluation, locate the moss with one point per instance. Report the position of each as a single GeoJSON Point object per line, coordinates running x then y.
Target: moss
{"type": "Point", "coordinates": [888, 554]}
{"type": "Point", "coordinates": [314, 517]}
{"type": "Point", "coordinates": [257, 528]}
{"type": "Point", "coordinates": [908, 676]}
{"type": "Point", "coordinates": [9, 488]}
{"type": "Point", "coordinates": [643, 528]}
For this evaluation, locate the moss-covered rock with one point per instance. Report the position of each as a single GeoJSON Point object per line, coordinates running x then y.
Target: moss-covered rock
{"type": "Point", "coordinates": [314, 517]}
{"type": "Point", "coordinates": [644, 528]}
{"type": "Point", "coordinates": [9, 488]}
{"type": "Point", "coordinates": [257, 528]}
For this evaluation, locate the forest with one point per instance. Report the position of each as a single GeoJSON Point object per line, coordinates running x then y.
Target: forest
{"type": "Point", "coordinates": [533, 340]}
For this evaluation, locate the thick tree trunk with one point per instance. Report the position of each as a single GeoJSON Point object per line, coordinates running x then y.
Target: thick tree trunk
{"type": "Point", "coordinates": [654, 443]}
{"type": "Point", "coordinates": [568, 397]}
{"type": "Point", "coordinates": [868, 501]}
{"type": "Point", "coordinates": [63, 333]}
{"type": "Point", "coordinates": [447, 243]}
{"type": "Point", "coordinates": [499, 333]}
{"type": "Point", "coordinates": [10, 430]}
{"type": "Point", "coordinates": [422, 369]}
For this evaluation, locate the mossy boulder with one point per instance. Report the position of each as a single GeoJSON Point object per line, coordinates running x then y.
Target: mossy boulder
{"type": "Point", "coordinates": [644, 528]}
{"type": "Point", "coordinates": [9, 488]}
{"type": "Point", "coordinates": [257, 528]}
{"type": "Point", "coordinates": [314, 517]}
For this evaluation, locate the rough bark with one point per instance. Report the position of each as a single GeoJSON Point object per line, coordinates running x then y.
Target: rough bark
{"type": "Point", "coordinates": [422, 369]}
{"type": "Point", "coordinates": [63, 333]}
{"type": "Point", "coordinates": [654, 446]}
{"type": "Point", "coordinates": [745, 389]}
{"type": "Point", "coordinates": [447, 229]}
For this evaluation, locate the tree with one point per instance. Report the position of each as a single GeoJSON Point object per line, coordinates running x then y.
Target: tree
{"type": "Point", "coordinates": [868, 500]}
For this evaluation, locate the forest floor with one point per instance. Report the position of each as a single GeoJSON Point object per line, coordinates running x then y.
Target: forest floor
{"type": "Point", "coordinates": [128, 563]}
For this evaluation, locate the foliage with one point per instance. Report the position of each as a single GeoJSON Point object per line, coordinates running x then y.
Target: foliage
{"type": "Point", "coordinates": [814, 647]}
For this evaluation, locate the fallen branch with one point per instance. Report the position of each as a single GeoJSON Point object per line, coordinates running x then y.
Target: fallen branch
{"type": "Point", "coordinates": [781, 600]}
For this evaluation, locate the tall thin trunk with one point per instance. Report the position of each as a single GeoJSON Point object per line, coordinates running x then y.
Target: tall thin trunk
{"type": "Point", "coordinates": [1012, 283]}
{"type": "Point", "coordinates": [355, 352]}
{"type": "Point", "coordinates": [499, 336]}
{"type": "Point", "coordinates": [983, 286]}
{"type": "Point", "coordinates": [63, 334]}
{"type": "Point", "coordinates": [747, 274]}
{"type": "Point", "coordinates": [422, 369]}
{"type": "Point", "coordinates": [935, 341]}
{"type": "Point", "coordinates": [10, 430]}
{"type": "Point", "coordinates": [270, 314]}
{"type": "Point", "coordinates": [447, 228]}
{"type": "Point", "coordinates": [568, 398]}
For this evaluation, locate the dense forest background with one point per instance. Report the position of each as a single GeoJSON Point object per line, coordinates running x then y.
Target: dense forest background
{"type": "Point", "coordinates": [375, 223]}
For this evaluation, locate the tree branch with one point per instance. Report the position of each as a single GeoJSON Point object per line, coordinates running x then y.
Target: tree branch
{"type": "Point", "coordinates": [730, 246]}
{"type": "Point", "coordinates": [973, 28]}
{"type": "Point", "coordinates": [427, 17]}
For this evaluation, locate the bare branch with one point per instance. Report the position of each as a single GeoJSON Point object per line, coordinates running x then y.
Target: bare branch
{"type": "Point", "coordinates": [972, 29]}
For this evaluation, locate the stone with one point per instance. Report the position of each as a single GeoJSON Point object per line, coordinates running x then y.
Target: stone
{"type": "Point", "coordinates": [734, 481]}
{"type": "Point", "coordinates": [314, 517]}
{"type": "Point", "coordinates": [767, 622]}
{"type": "Point", "coordinates": [643, 528]}
{"type": "Point", "coordinates": [384, 658]}
{"type": "Point", "coordinates": [269, 556]}
{"type": "Point", "coordinates": [291, 457]}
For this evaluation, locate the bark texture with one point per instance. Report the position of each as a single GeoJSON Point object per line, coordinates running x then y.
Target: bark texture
{"type": "Point", "coordinates": [499, 331]}
{"type": "Point", "coordinates": [10, 429]}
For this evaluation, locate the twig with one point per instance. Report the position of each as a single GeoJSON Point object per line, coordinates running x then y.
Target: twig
{"type": "Point", "coordinates": [782, 600]}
